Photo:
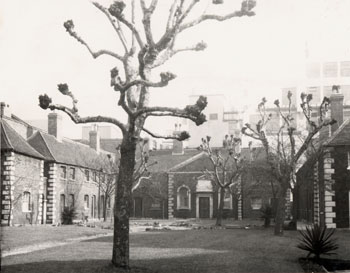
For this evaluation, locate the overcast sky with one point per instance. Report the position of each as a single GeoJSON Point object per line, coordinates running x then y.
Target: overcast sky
{"type": "Point", "coordinates": [246, 58]}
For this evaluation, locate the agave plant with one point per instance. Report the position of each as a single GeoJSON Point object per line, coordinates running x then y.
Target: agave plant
{"type": "Point", "coordinates": [318, 241]}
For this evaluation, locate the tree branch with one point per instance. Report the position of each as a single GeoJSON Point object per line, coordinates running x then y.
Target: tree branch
{"type": "Point", "coordinates": [69, 26]}
{"type": "Point", "coordinates": [116, 10]}
{"type": "Point", "coordinates": [146, 21]}
{"type": "Point", "coordinates": [206, 17]}
{"type": "Point", "coordinates": [118, 29]}
{"type": "Point", "coordinates": [182, 136]}
{"type": "Point", "coordinates": [45, 102]}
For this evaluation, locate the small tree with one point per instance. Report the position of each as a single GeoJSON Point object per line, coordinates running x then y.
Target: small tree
{"type": "Point", "coordinates": [227, 167]}
{"type": "Point", "coordinates": [143, 53]}
{"type": "Point", "coordinates": [284, 154]}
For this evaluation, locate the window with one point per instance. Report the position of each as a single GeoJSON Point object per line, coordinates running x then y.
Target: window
{"type": "Point", "coordinates": [213, 116]}
{"type": "Point", "coordinates": [330, 69]}
{"type": "Point", "coordinates": [315, 91]}
{"type": "Point", "coordinates": [183, 198]}
{"type": "Point", "coordinates": [94, 176]}
{"type": "Point", "coordinates": [227, 199]}
{"type": "Point", "coordinates": [86, 201]}
{"type": "Point", "coordinates": [87, 175]}
{"type": "Point", "coordinates": [348, 161]}
{"type": "Point", "coordinates": [62, 202]}
{"type": "Point", "coordinates": [313, 70]}
{"type": "Point", "coordinates": [345, 69]}
{"type": "Point", "coordinates": [230, 116]}
{"type": "Point", "coordinates": [72, 173]}
{"type": "Point", "coordinates": [26, 202]}
{"type": "Point", "coordinates": [71, 200]}
{"type": "Point", "coordinates": [256, 203]}
{"type": "Point", "coordinates": [63, 173]}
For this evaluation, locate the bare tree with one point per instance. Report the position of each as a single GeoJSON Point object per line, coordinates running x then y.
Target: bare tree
{"type": "Point", "coordinates": [284, 154]}
{"type": "Point", "coordinates": [140, 57]}
{"type": "Point", "coordinates": [227, 167]}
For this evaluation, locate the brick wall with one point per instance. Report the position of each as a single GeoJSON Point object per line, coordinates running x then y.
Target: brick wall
{"type": "Point", "coordinates": [79, 188]}
{"type": "Point", "coordinates": [22, 181]}
{"type": "Point", "coordinates": [341, 187]}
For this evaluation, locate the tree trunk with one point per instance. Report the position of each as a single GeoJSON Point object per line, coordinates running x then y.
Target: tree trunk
{"type": "Point", "coordinates": [281, 210]}
{"type": "Point", "coordinates": [105, 208]}
{"type": "Point", "coordinates": [221, 207]}
{"type": "Point", "coordinates": [120, 257]}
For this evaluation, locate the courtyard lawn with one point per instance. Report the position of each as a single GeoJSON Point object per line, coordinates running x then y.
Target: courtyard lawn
{"type": "Point", "coordinates": [221, 250]}
{"type": "Point", "coordinates": [19, 237]}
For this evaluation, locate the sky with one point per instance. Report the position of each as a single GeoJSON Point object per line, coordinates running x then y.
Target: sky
{"type": "Point", "coordinates": [247, 58]}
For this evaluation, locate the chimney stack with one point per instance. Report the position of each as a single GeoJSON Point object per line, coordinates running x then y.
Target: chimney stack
{"type": "Point", "coordinates": [178, 147]}
{"type": "Point", "coordinates": [337, 108]}
{"type": "Point", "coordinates": [5, 110]}
{"type": "Point", "coordinates": [94, 139]}
{"type": "Point", "coordinates": [55, 126]}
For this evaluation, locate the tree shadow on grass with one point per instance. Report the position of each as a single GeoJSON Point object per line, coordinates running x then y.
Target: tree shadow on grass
{"type": "Point", "coordinates": [85, 266]}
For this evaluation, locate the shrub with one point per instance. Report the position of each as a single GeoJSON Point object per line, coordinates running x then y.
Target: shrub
{"type": "Point", "coordinates": [318, 241]}
{"type": "Point", "coordinates": [68, 215]}
{"type": "Point", "coordinates": [266, 214]}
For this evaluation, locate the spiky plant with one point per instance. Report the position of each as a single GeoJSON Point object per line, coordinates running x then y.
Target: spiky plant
{"type": "Point", "coordinates": [68, 215]}
{"type": "Point", "coordinates": [318, 241]}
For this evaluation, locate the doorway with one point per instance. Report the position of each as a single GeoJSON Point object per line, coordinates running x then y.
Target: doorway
{"type": "Point", "coordinates": [204, 207]}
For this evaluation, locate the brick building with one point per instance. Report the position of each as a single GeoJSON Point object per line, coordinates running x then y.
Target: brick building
{"type": "Point", "coordinates": [324, 181]}
{"type": "Point", "coordinates": [43, 172]}
{"type": "Point", "coordinates": [177, 188]}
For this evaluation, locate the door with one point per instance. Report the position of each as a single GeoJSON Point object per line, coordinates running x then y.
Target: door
{"type": "Point", "coordinates": [138, 207]}
{"type": "Point", "coordinates": [204, 207]}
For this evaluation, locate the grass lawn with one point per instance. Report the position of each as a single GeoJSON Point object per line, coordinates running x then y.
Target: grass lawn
{"type": "Point", "coordinates": [232, 250]}
{"type": "Point", "coordinates": [15, 237]}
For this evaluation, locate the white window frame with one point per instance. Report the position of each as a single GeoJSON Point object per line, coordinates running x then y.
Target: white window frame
{"type": "Point", "coordinates": [86, 201]}
{"type": "Point", "coordinates": [219, 195]}
{"type": "Point", "coordinates": [188, 195]}
{"type": "Point", "coordinates": [26, 198]}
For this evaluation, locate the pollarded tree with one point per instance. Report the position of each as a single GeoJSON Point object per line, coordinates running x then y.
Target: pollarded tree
{"type": "Point", "coordinates": [142, 54]}
{"type": "Point", "coordinates": [285, 153]}
{"type": "Point", "coordinates": [227, 167]}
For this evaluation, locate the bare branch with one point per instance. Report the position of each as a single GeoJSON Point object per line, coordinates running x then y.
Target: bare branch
{"type": "Point", "coordinates": [45, 102]}
{"type": "Point", "coordinates": [69, 26]}
{"type": "Point", "coordinates": [116, 10]}
{"type": "Point", "coordinates": [182, 136]}
{"type": "Point", "coordinates": [206, 17]}
{"type": "Point", "coordinates": [116, 28]}
{"type": "Point", "coordinates": [147, 13]}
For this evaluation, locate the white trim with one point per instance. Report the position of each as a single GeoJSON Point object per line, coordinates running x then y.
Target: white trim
{"type": "Point", "coordinates": [178, 198]}
{"type": "Point", "coordinates": [349, 209]}
{"type": "Point", "coordinates": [210, 195]}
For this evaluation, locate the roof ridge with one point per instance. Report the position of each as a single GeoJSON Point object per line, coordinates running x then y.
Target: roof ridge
{"type": "Point", "coordinates": [337, 132]}
{"type": "Point", "coordinates": [47, 146]}
{"type": "Point", "coordinates": [184, 163]}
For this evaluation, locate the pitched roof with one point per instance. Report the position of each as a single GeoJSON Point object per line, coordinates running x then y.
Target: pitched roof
{"type": "Point", "coordinates": [341, 136]}
{"type": "Point", "coordinates": [11, 140]}
{"type": "Point", "coordinates": [68, 152]}
{"type": "Point", "coordinates": [166, 160]}
{"type": "Point", "coordinates": [202, 162]}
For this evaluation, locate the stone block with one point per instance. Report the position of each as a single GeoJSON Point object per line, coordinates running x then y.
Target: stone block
{"type": "Point", "coordinates": [328, 198]}
{"type": "Point", "coordinates": [330, 215]}
{"type": "Point", "coordinates": [330, 204]}
{"type": "Point", "coordinates": [329, 193]}
{"type": "Point", "coordinates": [331, 225]}
{"type": "Point", "coordinates": [328, 171]}
{"type": "Point", "coordinates": [329, 220]}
